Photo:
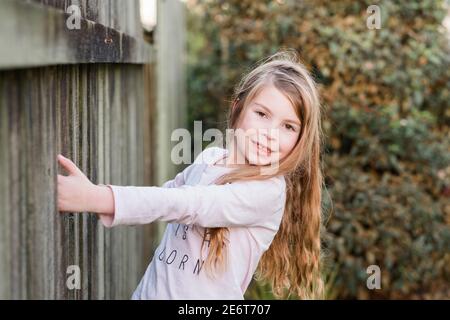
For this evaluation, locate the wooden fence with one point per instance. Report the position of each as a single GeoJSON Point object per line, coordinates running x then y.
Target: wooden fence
{"type": "Point", "coordinates": [90, 94]}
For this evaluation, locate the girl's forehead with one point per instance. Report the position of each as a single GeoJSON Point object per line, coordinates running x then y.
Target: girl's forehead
{"type": "Point", "coordinates": [275, 101]}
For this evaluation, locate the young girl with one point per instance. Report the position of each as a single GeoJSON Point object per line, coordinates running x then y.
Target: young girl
{"type": "Point", "coordinates": [226, 219]}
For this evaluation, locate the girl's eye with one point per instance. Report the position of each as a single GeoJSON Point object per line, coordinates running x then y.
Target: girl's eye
{"type": "Point", "coordinates": [290, 127]}
{"type": "Point", "coordinates": [261, 114]}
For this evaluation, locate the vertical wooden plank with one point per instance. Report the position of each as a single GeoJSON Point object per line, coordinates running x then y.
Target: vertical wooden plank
{"type": "Point", "coordinates": [102, 271]}
{"type": "Point", "coordinates": [106, 168]}
{"type": "Point", "coordinates": [118, 140]}
{"type": "Point", "coordinates": [5, 221]}
{"type": "Point", "coordinates": [170, 78]}
{"type": "Point", "coordinates": [85, 235]}
{"type": "Point", "coordinates": [33, 229]}
{"type": "Point", "coordinates": [50, 154]}
{"type": "Point", "coordinates": [23, 197]}
{"type": "Point", "coordinates": [59, 222]}
{"type": "Point", "coordinates": [170, 37]}
{"type": "Point", "coordinates": [149, 241]}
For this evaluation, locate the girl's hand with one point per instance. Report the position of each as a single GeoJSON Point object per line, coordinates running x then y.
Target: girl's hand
{"type": "Point", "coordinates": [76, 193]}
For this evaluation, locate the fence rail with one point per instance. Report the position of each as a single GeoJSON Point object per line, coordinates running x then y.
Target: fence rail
{"type": "Point", "coordinates": [44, 39]}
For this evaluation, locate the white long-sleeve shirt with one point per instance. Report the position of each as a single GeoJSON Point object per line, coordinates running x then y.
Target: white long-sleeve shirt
{"type": "Point", "coordinates": [189, 203]}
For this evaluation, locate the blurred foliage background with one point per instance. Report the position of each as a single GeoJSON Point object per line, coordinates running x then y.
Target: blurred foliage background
{"type": "Point", "coordinates": [386, 124]}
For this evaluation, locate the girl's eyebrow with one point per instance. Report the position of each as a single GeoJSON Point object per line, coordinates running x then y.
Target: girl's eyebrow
{"type": "Point", "coordinates": [268, 110]}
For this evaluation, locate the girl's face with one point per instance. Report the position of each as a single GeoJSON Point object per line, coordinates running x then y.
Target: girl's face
{"type": "Point", "coordinates": [270, 128]}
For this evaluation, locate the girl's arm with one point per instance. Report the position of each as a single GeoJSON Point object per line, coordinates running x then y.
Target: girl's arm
{"type": "Point", "coordinates": [241, 203]}
{"type": "Point", "coordinates": [76, 193]}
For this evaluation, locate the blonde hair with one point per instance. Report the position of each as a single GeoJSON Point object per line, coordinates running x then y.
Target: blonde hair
{"type": "Point", "coordinates": [292, 262]}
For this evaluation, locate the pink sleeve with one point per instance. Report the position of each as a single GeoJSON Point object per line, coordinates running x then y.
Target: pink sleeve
{"type": "Point", "coordinates": [107, 219]}
{"type": "Point", "coordinates": [242, 203]}
{"type": "Point", "coordinates": [175, 182]}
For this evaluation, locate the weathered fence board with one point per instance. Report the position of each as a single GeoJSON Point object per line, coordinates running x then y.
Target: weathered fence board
{"type": "Point", "coordinates": [120, 15]}
{"type": "Point", "coordinates": [171, 88]}
{"type": "Point", "coordinates": [99, 115]}
{"type": "Point", "coordinates": [171, 75]}
{"type": "Point", "coordinates": [44, 39]}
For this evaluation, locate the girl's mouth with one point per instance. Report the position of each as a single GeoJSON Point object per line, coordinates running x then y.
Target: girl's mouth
{"type": "Point", "coordinates": [261, 149]}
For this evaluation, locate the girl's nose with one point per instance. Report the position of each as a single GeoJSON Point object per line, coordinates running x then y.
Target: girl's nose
{"type": "Point", "coordinates": [271, 134]}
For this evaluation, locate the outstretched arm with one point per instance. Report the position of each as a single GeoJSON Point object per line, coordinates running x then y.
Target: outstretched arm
{"type": "Point", "coordinates": [76, 193]}
{"type": "Point", "coordinates": [241, 203]}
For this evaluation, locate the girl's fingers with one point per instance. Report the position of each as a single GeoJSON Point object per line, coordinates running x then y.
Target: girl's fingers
{"type": "Point", "coordinates": [68, 165]}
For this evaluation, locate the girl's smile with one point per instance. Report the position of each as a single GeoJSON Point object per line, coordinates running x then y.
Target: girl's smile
{"type": "Point", "coordinates": [262, 150]}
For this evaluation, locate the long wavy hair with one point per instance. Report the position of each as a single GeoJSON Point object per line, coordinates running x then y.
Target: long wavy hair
{"type": "Point", "coordinates": [292, 262]}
